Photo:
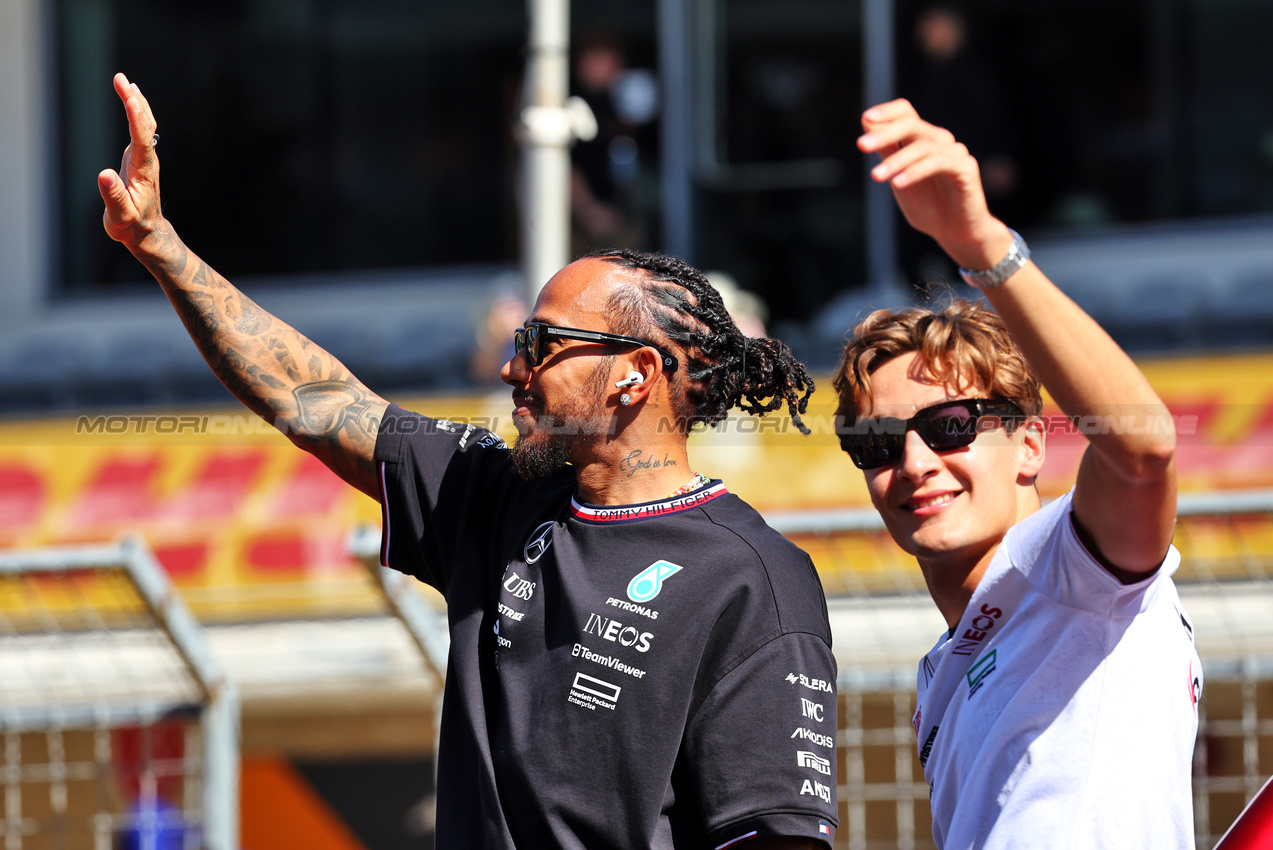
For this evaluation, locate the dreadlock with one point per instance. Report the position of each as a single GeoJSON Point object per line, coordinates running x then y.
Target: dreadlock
{"type": "Point", "coordinates": [723, 368]}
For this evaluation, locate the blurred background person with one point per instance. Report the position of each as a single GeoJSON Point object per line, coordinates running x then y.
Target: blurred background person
{"type": "Point", "coordinates": [605, 191]}
{"type": "Point", "coordinates": [953, 88]}
{"type": "Point", "coordinates": [493, 337]}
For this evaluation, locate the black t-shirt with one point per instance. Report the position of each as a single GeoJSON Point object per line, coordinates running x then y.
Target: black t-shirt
{"type": "Point", "coordinates": [656, 675]}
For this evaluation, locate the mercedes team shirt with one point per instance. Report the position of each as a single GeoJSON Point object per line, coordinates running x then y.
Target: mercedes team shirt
{"type": "Point", "coordinates": [656, 675]}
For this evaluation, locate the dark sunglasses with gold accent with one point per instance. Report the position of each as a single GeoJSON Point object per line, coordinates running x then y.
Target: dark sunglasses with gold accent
{"type": "Point", "coordinates": [873, 443]}
{"type": "Point", "coordinates": [532, 339]}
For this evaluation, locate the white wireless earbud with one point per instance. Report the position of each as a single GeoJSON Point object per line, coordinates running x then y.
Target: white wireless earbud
{"type": "Point", "coordinates": [634, 377]}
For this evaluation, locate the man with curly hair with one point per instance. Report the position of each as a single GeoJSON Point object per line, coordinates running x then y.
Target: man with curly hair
{"type": "Point", "coordinates": [637, 659]}
{"type": "Point", "coordinates": [1060, 708]}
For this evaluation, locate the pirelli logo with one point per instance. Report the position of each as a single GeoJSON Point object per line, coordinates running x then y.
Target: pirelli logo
{"type": "Point", "coordinates": [813, 761]}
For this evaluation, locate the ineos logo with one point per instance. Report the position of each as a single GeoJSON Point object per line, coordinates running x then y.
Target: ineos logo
{"type": "Point", "coordinates": [519, 587]}
{"type": "Point", "coordinates": [538, 543]}
{"type": "Point", "coordinates": [613, 630]}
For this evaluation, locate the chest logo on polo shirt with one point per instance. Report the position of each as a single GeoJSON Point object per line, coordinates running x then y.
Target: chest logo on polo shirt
{"type": "Point", "coordinates": [646, 584]}
{"type": "Point", "coordinates": [540, 539]}
{"type": "Point", "coordinates": [981, 626]}
{"type": "Point", "coordinates": [977, 673]}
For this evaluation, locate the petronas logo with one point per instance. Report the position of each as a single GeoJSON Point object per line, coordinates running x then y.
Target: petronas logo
{"type": "Point", "coordinates": [646, 584]}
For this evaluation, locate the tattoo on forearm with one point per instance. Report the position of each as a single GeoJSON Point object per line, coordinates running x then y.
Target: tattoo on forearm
{"type": "Point", "coordinates": [328, 407]}
{"type": "Point", "coordinates": [272, 368]}
{"type": "Point", "coordinates": [341, 414]}
{"type": "Point", "coordinates": [252, 319]}
{"type": "Point", "coordinates": [198, 312]}
{"type": "Point", "coordinates": [283, 356]}
{"type": "Point", "coordinates": [166, 255]}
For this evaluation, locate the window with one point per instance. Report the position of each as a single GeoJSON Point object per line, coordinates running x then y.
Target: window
{"type": "Point", "coordinates": [298, 135]}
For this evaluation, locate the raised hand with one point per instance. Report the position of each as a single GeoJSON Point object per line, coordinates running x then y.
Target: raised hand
{"type": "Point", "coordinates": [132, 194]}
{"type": "Point", "coordinates": [278, 373]}
{"type": "Point", "coordinates": [936, 183]}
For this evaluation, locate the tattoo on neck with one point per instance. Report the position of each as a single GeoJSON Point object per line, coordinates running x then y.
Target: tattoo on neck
{"type": "Point", "coordinates": [635, 461]}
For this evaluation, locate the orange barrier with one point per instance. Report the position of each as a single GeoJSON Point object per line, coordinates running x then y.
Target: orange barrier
{"type": "Point", "coordinates": [279, 809]}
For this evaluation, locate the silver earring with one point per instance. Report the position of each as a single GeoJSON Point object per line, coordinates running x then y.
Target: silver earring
{"type": "Point", "coordinates": [625, 399]}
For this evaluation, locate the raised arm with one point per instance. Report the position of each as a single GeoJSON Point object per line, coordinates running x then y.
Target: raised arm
{"type": "Point", "coordinates": [270, 367]}
{"type": "Point", "coordinates": [1125, 497]}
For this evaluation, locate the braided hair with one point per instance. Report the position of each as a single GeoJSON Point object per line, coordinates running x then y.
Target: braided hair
{"type": "Point", "coordinates": [723, 368]}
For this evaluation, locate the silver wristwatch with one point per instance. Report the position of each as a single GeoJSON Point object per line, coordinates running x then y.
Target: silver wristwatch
{"type": "Point", "coordinates": [1002, 270]}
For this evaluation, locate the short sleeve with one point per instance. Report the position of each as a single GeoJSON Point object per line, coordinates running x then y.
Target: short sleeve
{"type": "Point", "coordinates": [431, 471]}
{"type": "Point", "coordinates": [1045, 547]}
{"type": "Point", "coordinates": [760, 751]}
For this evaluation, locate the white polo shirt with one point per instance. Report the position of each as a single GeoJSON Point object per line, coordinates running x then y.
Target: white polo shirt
{"type": "Point", "coordinates": [1061, 712]}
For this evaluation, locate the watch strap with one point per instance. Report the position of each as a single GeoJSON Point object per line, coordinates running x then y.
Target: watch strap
{"type": "Point", "coordinates": [1018, 253]}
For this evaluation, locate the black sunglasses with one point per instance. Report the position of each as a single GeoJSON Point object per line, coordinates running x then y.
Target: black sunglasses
{"type": "Point", "coordinates": [531, 339]}
{"type": "Point", "coordinates": [873, 443]}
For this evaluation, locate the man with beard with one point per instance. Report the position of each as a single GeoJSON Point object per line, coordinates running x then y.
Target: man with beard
{"type": "Point", "coordinates": [637, 660]}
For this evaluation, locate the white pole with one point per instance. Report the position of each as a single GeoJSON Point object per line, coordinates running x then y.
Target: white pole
{"type": "Point", "coordinates": [545, 141]}
{"type": "Point", "coordinates": [677, 137]}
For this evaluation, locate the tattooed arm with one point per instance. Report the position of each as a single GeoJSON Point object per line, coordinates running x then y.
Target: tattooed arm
{"type": "Point", "coordinates": [270, 367]}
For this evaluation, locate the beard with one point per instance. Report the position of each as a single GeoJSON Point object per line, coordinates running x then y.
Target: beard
{"type": "Point", "coordinates": [559, 432]}
{"type": "Point", "coordinates": [540, 455]}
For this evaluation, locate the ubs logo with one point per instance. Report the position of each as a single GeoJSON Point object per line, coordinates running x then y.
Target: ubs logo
{"type": "Point", "coordinates": [538, 543]}
{"type": "Point", "coordinates": [519, 587]}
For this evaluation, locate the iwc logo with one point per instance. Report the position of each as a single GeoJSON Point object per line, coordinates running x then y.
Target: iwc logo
{"type": "Point", "coordinates": [646, 584]}
{"type": "Point", "coordinates": [538, 543]}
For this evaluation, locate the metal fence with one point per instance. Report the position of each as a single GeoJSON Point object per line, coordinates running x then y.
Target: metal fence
{"type": "Point", "coordinates": [117, 729]}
